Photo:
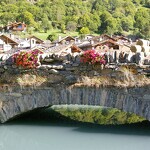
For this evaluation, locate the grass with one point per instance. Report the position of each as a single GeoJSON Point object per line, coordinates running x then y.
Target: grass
{"type": "Point", "coordinates": [122, 78]}
{"type": "Point", "coordinates": [31, 80]}
{"type": "Point", "coordinates": [43, 35]}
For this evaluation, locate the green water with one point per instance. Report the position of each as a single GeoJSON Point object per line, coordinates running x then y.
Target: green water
{"type": "Point", "coordinates": [46, 131]}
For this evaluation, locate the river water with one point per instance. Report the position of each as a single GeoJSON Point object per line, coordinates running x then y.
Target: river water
{"type": "Point", "coordinates": [45, 131]}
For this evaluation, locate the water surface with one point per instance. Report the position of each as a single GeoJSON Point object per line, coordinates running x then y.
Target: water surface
{"type": "Point", "coordinates": [46, 131]}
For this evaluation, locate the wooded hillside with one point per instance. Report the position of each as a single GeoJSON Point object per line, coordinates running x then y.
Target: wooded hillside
{"type": "Point", "coordinates": [100, 16]}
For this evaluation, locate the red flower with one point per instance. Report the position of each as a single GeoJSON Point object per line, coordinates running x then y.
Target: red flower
{"type": "Point", "coordinates": [92, 57]}
{"type": "Point", "coordinates": [26, 59]}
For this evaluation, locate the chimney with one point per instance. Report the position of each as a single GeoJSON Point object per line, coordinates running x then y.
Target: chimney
{"type": "Point", "coordinates": [11, 36]}
{"type": "Point", "coordinates": [100, 39]}
{"type": "Point", "coordinates": [59, 37]}
{"type": "Point", "coordinates": [91, 42]}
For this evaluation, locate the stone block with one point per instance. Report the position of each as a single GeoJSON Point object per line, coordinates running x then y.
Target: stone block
{"type": "Point", "coordinates": [147, 97]}
{"type": "Point", "coordinates": [15, 94]}
{"type": "Point", "coordinates": [5, 67]}
{"type": "Point", "coordinates": [69, 57]}
{"type": "Point", "coordinates": [75, 65]}
{"type": "Point", "coordinates": [58, 67]}
{"type": "Point", "coordinates": [139, 58]}
{"type": "Point", "coordinates": [2, 70]}
{"type": "Point", "coordinates": [53, 71]}
{"type": "Point", "coordinates": [146, 62]}
{"type": "Point", "coordinates": [62, 58]}
{"type": "Point", "coordinates": [77, 59]}
{"type": "Point", "coordinates": [71, 68]}
{"type": "Point", "coordinates": [48, 60]}
{"type": "Point", "coordinates": [9, 61]}
{"type": "Point", "coordinates": [71, 79]}
{"type": "Point", "coordinates": [43, 67]}
{"type": "Point", "coordinates": [14, 66]}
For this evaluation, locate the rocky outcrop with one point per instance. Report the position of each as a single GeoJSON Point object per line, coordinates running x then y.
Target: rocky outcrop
{"type": "Point", "coordinates": [15, 100]}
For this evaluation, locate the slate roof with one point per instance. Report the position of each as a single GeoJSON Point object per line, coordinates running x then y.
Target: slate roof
{"type": "Point", "coordinates": [57, 49]}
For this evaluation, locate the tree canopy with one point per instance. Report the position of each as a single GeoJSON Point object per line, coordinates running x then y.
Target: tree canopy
{"type": "Point", "coordinates": [99, 16]}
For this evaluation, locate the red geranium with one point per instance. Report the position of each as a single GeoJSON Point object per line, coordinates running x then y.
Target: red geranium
{"type": "Point", "coordinates": [26, 59]}
{"type": "Point", "coordinates": [93, 57]}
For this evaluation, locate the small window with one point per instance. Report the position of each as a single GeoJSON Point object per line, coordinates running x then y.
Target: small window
{"type": "Point", "coordinates": [33, 41]}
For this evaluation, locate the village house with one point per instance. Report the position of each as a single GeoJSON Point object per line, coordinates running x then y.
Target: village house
{"type": "Point", "coordinates": [89, 36]}
{"type": "Point", "coordinates": [13, 27]}
{"type": "Point", "coordinates": [34, 41]}
{"type": "Point", "coordinates": [104, 37]}
{"type": "Point", "coordinates": [66, 40]}
{"type": "Point", "coordinates": [23, 44]}
{"type": "Point", "coordinates": [86, 45]}
{"type": "Point", "coordinates": [7, 43]}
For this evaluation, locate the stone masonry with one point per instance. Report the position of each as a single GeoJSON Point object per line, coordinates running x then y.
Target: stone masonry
{"type": "Point", "coordinates": [15, 101]}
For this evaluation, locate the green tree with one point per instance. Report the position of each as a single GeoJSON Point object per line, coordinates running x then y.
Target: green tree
{"type": "Point", "coordinates": [71, 26]}
{"type": "Point", "coordinates": [84, 31]}
{"type": "Point", "coordinates": [52, 37]}
{"type": "Point", "coordinates": [104, 17]}
{"type": "Point", "coordinates": [94, 22]}
{"type": "Point", "coordinates": [28, 18]}
{"type": "Point", "coordinates": [45, 24]}
{"type": "Point", "coordinates": [142, 21]}
{"type": "Point", "coordinates": [127, 23]}
{"type": "Point", "coordinates": [63, 28]}
{"type": "Point", "coordinates": [109, 24]}
{"type": "Point", "coordinates": [84, 20]}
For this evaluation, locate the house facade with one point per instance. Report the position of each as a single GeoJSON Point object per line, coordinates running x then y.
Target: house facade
{"type": "Point", "coordinates": [16, 26]}
{"type": "Point", "coordinates": [7, 43]}
{"type": "Point", "coordinates": [34, 41]}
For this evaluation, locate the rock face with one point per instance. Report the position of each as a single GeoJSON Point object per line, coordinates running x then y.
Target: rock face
{"type": "Point", "coordinates": [15, 101]}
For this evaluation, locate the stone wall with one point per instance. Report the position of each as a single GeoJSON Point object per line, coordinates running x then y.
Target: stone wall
{"type": "Point", "coordinates": [69, 64]}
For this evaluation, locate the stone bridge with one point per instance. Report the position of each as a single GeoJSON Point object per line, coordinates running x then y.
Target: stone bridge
{"type": "Point", "coordinates": [15, 100]}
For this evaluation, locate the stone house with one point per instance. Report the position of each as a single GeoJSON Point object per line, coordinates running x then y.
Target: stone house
{"type": "Point", "coordinates": [66, 40]}
{"type": "Point", "coordinates": [34, 41]}
{"type": "Point", "coordinates": [106, 37]}
{"type": "Point", "coordinates": [7, 43]}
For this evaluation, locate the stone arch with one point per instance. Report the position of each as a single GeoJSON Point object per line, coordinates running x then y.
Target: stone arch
{"type": "Point", "coordinates": [18, 101]}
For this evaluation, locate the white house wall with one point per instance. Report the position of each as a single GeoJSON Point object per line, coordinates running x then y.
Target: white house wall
{"type": "Point", "coordinates": [7, 47]}
{"type": "Point", "coordinates": [24, 44]}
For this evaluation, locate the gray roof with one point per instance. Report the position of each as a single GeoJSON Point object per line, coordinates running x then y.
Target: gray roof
{"type": "Point", "coordinates": [57, 49]}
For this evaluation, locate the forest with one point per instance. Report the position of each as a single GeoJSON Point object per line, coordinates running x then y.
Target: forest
{"type": "Point", "coordinates": [83, 16]}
